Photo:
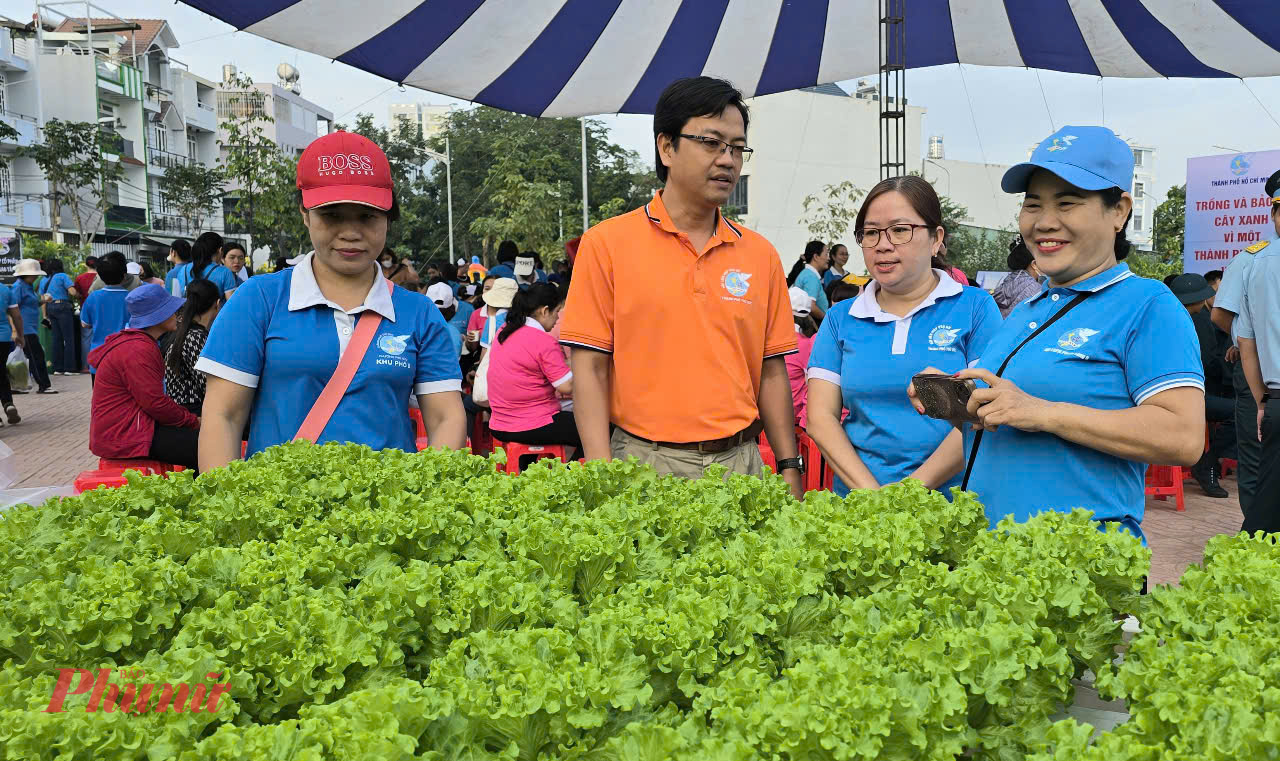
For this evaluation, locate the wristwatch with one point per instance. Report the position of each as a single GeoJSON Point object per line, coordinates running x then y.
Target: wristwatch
{"type": "Point", "coordinates": [796, 463]}
{"type": "Point", "coordinates": [1266, 397]}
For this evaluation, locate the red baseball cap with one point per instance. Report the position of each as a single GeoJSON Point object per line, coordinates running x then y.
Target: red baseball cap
{"type": "Point", "coordinates": [343, 167]}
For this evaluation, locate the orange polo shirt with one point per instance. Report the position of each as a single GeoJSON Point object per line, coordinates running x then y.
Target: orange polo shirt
{"type": "Point", "coordinates": [688, 331]}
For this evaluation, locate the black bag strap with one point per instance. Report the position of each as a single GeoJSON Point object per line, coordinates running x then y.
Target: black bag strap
{"type": "Point", "coordinates": [977, 437]}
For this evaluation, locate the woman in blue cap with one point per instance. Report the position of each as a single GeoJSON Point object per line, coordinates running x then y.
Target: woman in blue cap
{"type": "Point", "coordinates": [1096, 375]}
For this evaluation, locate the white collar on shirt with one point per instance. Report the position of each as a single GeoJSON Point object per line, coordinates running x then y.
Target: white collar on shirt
{"type": "Point", "coordinates": [868, 306]}
{"type": "Point", "coordinates": [814, 270]}
{"type": "Point", "coordinates": [305, 292]}
{"type": "Point", "coordinates": [529, 322]}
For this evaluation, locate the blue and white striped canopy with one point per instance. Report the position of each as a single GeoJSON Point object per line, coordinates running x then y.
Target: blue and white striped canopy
{"type": "Point", "coordinates": [578, 57]}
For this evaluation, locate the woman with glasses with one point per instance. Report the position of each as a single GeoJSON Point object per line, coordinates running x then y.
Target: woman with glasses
{"type": "Point", "coordinates": [908, 317]}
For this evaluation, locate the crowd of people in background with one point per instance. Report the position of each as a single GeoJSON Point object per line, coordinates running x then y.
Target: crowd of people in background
{"type": "Point", "coordinates": [664, 335]}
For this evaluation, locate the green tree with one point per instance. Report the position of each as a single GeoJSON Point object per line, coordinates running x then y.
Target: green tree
{"type": "Point", "coordinates": [250, 158]}
{"type": "Point", "coordinates": [973, 249]}
{"type": "Point", "coordinates": [508, 166]}
{"type": "Point", "coordinates": [277, 209]}
{"type": "Point", "coordinates": [72, 158]}
{"type": "Point", "coordinates": [193, 190]}
{"type": "Point", "coordinates": [7, 132]}
{"type": "Point", "coordinates": [829, 213]}
{"type": "Point", "coordinates": [1170, 226]}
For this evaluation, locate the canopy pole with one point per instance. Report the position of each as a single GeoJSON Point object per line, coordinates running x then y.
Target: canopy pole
{"type": "Point", "coordinates": [448, 179]}
{"type": "Point", "coordinates": [585, 213]}
{"type": "Point", "coordinates": [893, 89]}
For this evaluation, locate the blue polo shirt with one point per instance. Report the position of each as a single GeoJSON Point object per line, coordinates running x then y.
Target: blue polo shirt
{"type": "Point", "coordinates": [6, 301]}
{"type": "Point", "coordinates": [57, 286]}
{"type": "Point", "coordinates": [281, 336]}
{"type": "Point", "coordinates": [871, 355]}
{"type": "Point", "coordinates": [176, 281]}
{"type": "Point", "coordinates": [1130, 340]}
{"type": "Point", "coordinates": [28, 305]}
{"type": "Point", "coordinates": [105, 311]}
{"type": "Point", "coordinates": [462, 316]}
{"type": "Point", "coordinates": [811, 283]}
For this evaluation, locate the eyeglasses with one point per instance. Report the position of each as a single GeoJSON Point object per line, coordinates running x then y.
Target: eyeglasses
{"type": "Point", "coordinates": [717, 146]}
{"type": "Point", "coordinates": [869, 237]}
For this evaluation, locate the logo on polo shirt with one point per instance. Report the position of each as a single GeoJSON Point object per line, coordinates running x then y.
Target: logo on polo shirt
{"type": "Point", "coordinates": [943, 338]}
{"type": "Point", "coordinates": [1074, 339]}
{"type": "Point", "coordinates": [736, 282]}
{"type": "Point", "coordinates": [393, 345]}
{"type": "Point", "coordinates": [344, 164]}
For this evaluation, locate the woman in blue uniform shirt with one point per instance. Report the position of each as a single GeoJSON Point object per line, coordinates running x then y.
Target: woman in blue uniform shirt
{"type": "Point", "coordinates": [867, 349]}
{"type": "Point", "coordinates": [1114, 381]}
{"type": "Point", "coordinates": [275, 346]}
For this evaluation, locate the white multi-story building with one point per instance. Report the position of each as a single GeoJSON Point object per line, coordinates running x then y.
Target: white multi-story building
{"type": "Point", "coordinates": [805, 140]}
{"type": "Point", "coordinates": [1142, 228]}
{"type": "Point", "coordinates": [22, 187]}
{"type": "Point", "coordinates": [154, 113]}
{"type": "Point", "coordinates": [425, 118]}
{"type": "Point", "coordinates": [295, 121]}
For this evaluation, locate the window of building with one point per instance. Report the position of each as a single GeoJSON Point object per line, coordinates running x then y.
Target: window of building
{"type": "Point", "coordinates": [1139, 191]}
{"type": "Point", "coordinates": [6, 190]}
{"type": "Point", "coordinates": [192, 149]}
{"type": "Point", "coordinates": [246, 103]}
{"type": "Point", "coordinates": [1138, 158]}
{"type": "Point", "coordinates": [737, 202]}
{"type": "Point", "coordinates": [159, 137]}
{"type": "Point", "coordinates": [1139, 224]}
{"type": "Point", "coordinates": [3, 86]}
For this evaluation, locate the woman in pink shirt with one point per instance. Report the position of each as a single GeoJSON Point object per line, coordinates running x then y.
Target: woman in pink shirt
{"type": "Point", "coordinates": [527, 370]}
{"type": "Point", "coordinates": [798, 363]}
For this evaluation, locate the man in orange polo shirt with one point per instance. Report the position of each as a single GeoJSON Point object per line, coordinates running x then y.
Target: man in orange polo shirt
{"type": "Point", "coordinates": [679, 318]}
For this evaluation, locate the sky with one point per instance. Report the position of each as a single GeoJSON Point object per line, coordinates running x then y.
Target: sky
{"type": "Point", "coordinates": [983, 113]}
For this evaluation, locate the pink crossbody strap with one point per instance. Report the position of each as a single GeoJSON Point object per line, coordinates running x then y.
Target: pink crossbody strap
{"type": "Point", "coordinates": [336, 388]}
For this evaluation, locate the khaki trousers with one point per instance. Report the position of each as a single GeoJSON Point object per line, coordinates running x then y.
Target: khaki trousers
{"type": "Point", "coordinates": [744, 459]}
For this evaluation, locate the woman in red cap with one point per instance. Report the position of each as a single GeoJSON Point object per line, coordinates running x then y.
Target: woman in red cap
{"type": "Point", "coordinates": [326, 350]}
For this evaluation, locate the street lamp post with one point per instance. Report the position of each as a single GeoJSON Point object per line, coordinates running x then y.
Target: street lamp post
{"type": "Point", "coordinates": [448, 175]}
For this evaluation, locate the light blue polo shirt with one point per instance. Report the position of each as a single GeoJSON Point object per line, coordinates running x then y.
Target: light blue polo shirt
{"type": "Point", "coordinates": [1232, 287]}
{"type": "Point", "coordinates": [217, 274]}
{"type": "Point", "coordinates": [811, 283]}
{"type": "Point", "coordinates": [489, 332]}
{"type": "Point", "coordinates": [281, 336]}
{"type": "Point", "coordinates": [1130, 340]}
{"type": "Point", "coordinates": [6, 301]}
{"type": "Point", "coordinates": [106, 312]}
{"type": "Point", "coordinates": [57, 286]}
{"type": "Point", "coordinates": [871, 355]}
{"type": "Point", "coordinates": [28, 305]}
{"type": "Point", "coordinates": [1260, 318]}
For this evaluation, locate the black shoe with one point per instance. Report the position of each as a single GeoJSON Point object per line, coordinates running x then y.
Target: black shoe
{"type": "Point", "coordinates": [47, 391]}
{"type": "Point", "coordinates": [1208, 480]}
{"type": "Point", "coordinates": [11, 413]}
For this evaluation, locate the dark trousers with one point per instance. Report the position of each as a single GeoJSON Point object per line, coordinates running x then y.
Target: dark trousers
{"type": "Point", "coordinates": [561, 430]}
{"type": "Point", "coordinates": [35, 358]}
{"type": "Point", "coordinates": [1248, 450]}
{"type": "Point", "coordinates": [1222, 437]}
{"type": "Point", "coordinates": [1264, 514]}
{"type": "Point", "coordinates": [176, 445]}
{"type": "Point", "coordinates": [6, 392]}
{"type": "Point", "coordinates": [62, 317]}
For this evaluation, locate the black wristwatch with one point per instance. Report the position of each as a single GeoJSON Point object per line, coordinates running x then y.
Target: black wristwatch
{"type": "Point", "coordinates": [791, 463]}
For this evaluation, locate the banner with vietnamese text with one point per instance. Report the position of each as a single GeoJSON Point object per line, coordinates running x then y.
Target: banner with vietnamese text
{"type": "Point", "coordinates": [1227, 207]}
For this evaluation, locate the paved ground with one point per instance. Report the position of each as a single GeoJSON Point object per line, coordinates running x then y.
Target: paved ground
{"type": "Point", "coordinates": [52, 447]}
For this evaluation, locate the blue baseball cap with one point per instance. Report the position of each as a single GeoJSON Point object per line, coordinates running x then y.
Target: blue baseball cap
{"type": "Point", "coordinates": [1091, 158]}
{"type": "Point", "coordinates": [150, 304]}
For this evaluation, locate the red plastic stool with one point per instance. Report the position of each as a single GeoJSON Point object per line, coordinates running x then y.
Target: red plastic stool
{"type": "Point", "coordinates": [92, 479]}
{"type": "Point", "coordinates": [766, 453]}
{"type": "Point", "coordinates": [481, 439]}
{"type": "Point", "coordinates": [1229, 466]}
{"type": "Point", "coordinates": [144, 466]}
{"type": "Point", "coordinates": [1164, 481]}
{"type": "Point", "coordinates": [813, 462]}
{"type": "Point", "coordinates": [517, 452]}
